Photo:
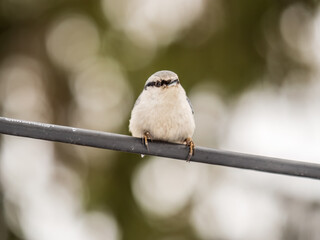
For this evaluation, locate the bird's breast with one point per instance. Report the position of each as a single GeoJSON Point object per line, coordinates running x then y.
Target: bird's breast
{"type": "Point", "coordinates": [168, 116]}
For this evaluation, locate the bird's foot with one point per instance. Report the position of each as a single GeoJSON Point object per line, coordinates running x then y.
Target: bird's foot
{"type": "Point", "coordinates": [146, 136]}
{"type": "Point", "coordinates": [190, 144]}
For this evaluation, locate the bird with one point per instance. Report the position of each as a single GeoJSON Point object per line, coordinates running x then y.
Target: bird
{"type": "Point", "coordinates": [163, 112]}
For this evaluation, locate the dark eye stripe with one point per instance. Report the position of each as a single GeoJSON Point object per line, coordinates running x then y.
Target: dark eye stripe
{"type": "Point", "coordinates": [163, 82]}
{"type": "Point", "coordinates": [174, 81]}
{"type": "Point", "coordinates": [150, 84]}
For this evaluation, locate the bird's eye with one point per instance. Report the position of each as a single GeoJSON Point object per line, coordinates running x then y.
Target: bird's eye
{"type": "Point", "coordinates": [158, 84]}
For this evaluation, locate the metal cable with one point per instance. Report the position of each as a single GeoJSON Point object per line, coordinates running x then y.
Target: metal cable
{"type": "Point", "coordinates": [170, 150]}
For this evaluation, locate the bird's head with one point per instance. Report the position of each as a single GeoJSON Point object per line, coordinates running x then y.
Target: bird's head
{"type": "Point", "coordinates": [162, 79]}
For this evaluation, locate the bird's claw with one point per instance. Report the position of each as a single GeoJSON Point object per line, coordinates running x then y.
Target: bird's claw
{"type": "Point", "coordinates": [146, 136]}
{"type": "Point", "coordinates": [190, 144]}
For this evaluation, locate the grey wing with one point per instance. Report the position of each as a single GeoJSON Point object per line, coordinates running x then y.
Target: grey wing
{"type": "Point", "coordinates": [190, 105]}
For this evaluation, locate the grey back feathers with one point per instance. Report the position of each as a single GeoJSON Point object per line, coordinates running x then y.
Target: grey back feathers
{"type": "Point", "coordinates": [190, 105]}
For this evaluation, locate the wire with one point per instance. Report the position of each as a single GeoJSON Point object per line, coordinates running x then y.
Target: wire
{"type": "Point", "coordinates": [125, 143]}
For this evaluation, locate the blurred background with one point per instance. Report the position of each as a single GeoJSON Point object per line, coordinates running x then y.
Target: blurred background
{"type": "Point", "coordinates": [251, 69]}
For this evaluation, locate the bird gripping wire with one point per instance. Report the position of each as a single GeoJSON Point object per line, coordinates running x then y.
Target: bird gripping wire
{"type": "Point", "coordinates": [125, 143]}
